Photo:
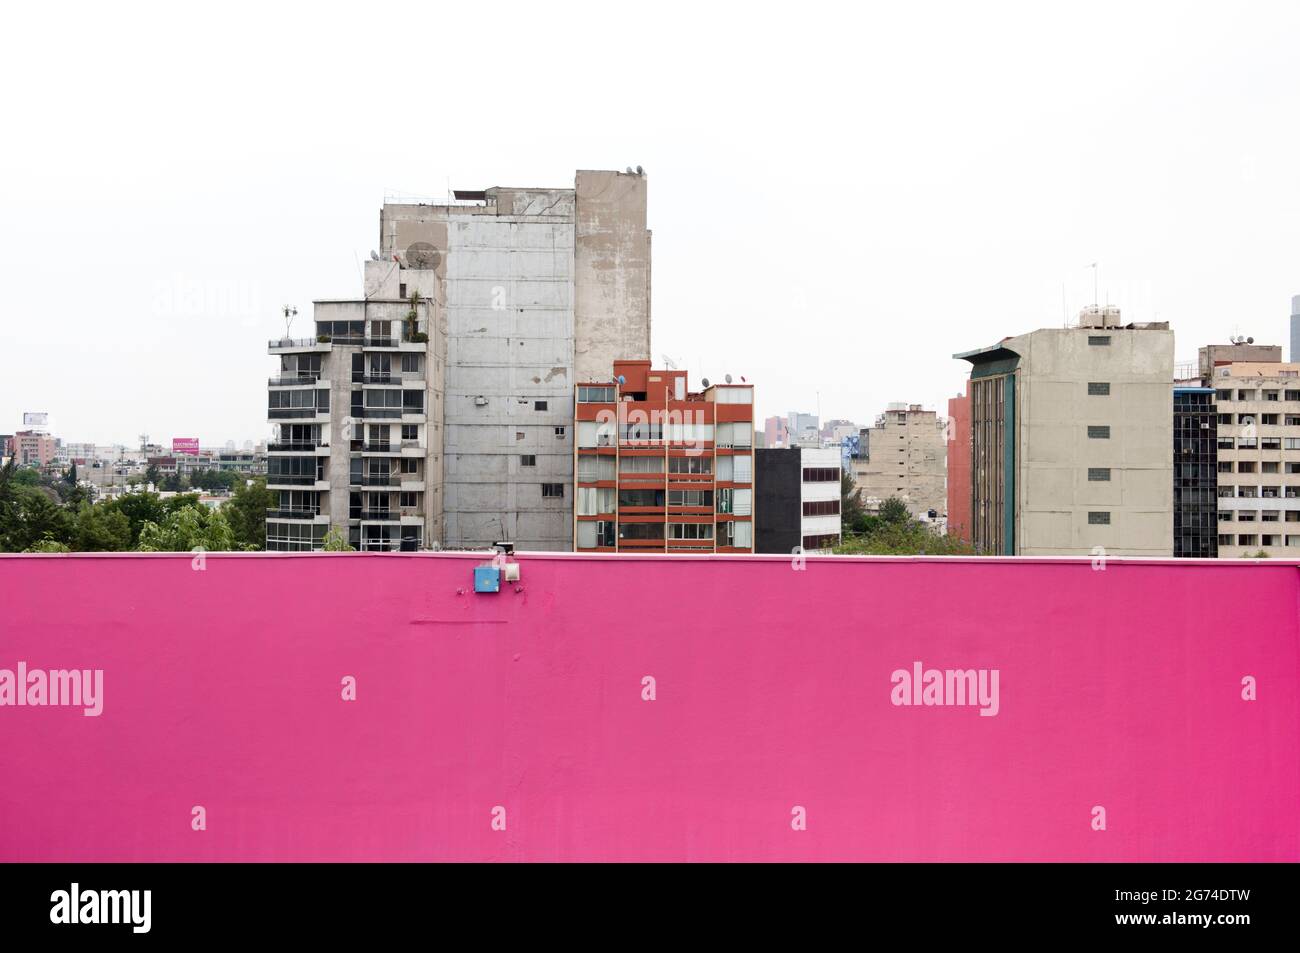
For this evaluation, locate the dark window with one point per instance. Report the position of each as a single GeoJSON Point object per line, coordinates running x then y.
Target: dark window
{"type": "Point", "coordinates": [1099, 388]}
{"type": "Point", "coordinates": [1099, 518]}
{"type": "Point", "coordinates": [1099, 474]}
{"type": "Point", "coordinates": [821, 507]}
{"type": "Point", "coordinates": [1099, 340]}
{"type": "Point", "coordinates": [820, 474]}
{"type": "Point", "coordinates": [1099, 432]}
{"type": "Point", "coordinates": [539, 405]}
{"type": "Point", "coordinates": [552, 490]}
{"type": "Point", "coordinates": [527, 460]}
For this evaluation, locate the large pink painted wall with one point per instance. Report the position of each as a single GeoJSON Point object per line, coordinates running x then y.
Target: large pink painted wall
{"type": "Point", "coordinates": [1119, 688]}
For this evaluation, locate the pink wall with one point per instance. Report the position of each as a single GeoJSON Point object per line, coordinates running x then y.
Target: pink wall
{"type": "Point", "coordinates": [1119, 688]}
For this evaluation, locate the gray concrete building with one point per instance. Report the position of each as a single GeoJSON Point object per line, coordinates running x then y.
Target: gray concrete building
{"type": "Point", "coordinates": [488, 305]}
{"type": "Point", "coordinates": [904, 455]}
{"type": "Point", "coordinates": [1071, 430]}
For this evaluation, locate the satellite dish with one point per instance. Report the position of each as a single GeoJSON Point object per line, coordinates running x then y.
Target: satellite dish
{"type": "Point", "coordinates": [629, 170]}
{"type": "Point", "coordinates": [727, 378]}
{"type": "Point", "coordinates": [621, 380]}
{"type": "Point", "coordinates": [374, 255]}
{"type": "Point", "coordinates": [422, 256]}
{"type": "Point", "coordinates": [704, 381]}
{"type": "Point", "coordinates": [1250, 340]}
{"type": "Point", "coordinates": [640, 171]}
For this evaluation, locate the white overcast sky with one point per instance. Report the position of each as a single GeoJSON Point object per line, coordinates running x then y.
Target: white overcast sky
{"type": "Point", "coordinates": [841, 196]}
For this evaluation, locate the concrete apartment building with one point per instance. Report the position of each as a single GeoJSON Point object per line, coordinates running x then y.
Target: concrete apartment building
{"type": "Point", "coordinates": [1257, 406]}
{"type": "Point", "coordinates": [797, 500]}
{"type": "Point", "coordinates": [1071, 437]}
{"type": "Point", "coordinates": [904, 455]}
{"type": "Point", "coordinates": [437, 410]}
{"type": "Point", "coordinates": [661, 468]}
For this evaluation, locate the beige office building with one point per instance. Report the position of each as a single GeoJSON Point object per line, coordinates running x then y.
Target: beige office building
{"type": "Point", "coordinates": [1071, 437]}
{"type": "Point", "coordinates": [1258, 407]}
{"type": "Point", "coordinates": [904, 455]}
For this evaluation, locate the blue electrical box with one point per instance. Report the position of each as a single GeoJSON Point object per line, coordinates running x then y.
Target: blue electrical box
{"type": "Point", "coordinates": [487, 579]}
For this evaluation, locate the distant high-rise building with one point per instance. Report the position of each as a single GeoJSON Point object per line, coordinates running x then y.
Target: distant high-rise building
{"type": "Point", "coordinates": [905, 457]}
{"type": "Point", "coordinates": [1295, 328]}
{"type": "Point", "coordinates": [958, 464]}
{"type": "Point", "coordinates": [1071, 430]}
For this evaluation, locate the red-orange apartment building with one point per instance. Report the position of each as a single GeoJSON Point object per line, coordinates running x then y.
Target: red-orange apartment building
{"type": "Point", "coordinates": [659, 468]}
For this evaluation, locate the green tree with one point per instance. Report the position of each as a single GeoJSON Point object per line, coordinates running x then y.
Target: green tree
{"type": "Point", "coordinates": [138, 508]}
{"type": "Point", "coordinates": [71, 476]}
{"type": "Point", "coordinates": [894, 511]}
{"type": "Point", "coordinates": [153, 475]}
{"type": "Point", "coordinates": [852, 510]}
{"type": "Point", "coordinates": [101, 529]}
{"type": "Point", "coordinates": [29, 517]}
{"type": "Point", "coordinates": [336, 542]}
{"type": "Point", "coordinates": [246, 512]}
{"type": "Point", "coordinates": [186, 529]}
{"type": "Point", "coordinates": [48, 546]}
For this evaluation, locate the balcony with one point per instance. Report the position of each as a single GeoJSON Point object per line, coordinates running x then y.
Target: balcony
{"type": "Point", "coordinates": [294, 380]}
{"type": "Point", "coordinates": [295, 413]}
{"type": "Point", "coordinates": [377, 516]}
{"type": "Point", "coordinates": [293, 512]}
{"type": "Point", "coordinates": [378, 447]}
{"type": "Point", "coordinates": [296, 445]}
{"type": "Point", "coordinates": [297, 344]}
{"type": "Point", "coordinates": [389, 481]}
{"type": "Point", "coordinates": [381, 413]}
{"type": "Point", "coordinates": [295, 479]}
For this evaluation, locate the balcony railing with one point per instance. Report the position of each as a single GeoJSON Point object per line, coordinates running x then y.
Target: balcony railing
{"type": "Point", "coordinates": [293, 413]}
{"type": "Point", "coordinates": [307, 377]}
{"type": "Point", "coordinates": [377, 515]}
{"type": "Point", "coordinates": [290, 479]}
{"type": "Point", "coordinates": [294, 342]}
{"type": "Point", "coordinates": [296, 445]}
{"type": "Point", "coordinates": [373, 479]}
{"type": "Point", "coordinates": [382, 446]}
{"type": "Point", "coordinates": [293, 512]}
{"type": "Point", "coordinates": [385, 413]}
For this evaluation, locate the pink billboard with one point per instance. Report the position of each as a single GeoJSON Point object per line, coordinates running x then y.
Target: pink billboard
{"type": "Point", "coordinates": [185, 445]}
{"type": "Point", "coordinates": [375, 707]}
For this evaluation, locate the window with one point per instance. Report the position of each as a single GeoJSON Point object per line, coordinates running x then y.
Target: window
{"type": "Point", "coordinates": [410, 363]}
{"type": "Point", "coordinates": [825, 541]}
{"type": "Point", "coordinates": [1269, 516]}
{"type": "Point", "coordinates": [690, 530]}
{"type": "Point", "coordinates": [1248, 540]}
{"type": "Point", "coordinates": [1225, 516]}
{"type": "Point", "coordinates": [1270, 443]}
{"type": "Point", "coordinates": [592, 468]}
{"type": "Point", "coordinates": [1099, 340]}
{"type": "Point", "coordinates": [1270, 395]}
{"type": "Point", "coordinates": [1225, 466]}
{"type": "Point", "coordinates": [595, 434]}
{"type": "Point", "coordinates": [651, 498]}
{"type": "Point", "coordinates": [527, 460]}
{"type": "Point", "coordinates": [1293, 395]}
{"type": "Point", "coordinates": [410, 432]}
{"type": "Point", "coordinates": [1245, 395]}
{"type": "Point", "coordinates": [1225, 539]}
{"type": "Point", "coordinates": [539, 405]}
{"type": "Point", "coordinates": [595, 500]}
{"type": "Point", "coordinates": [1224, 418]}
{"type": "Point", "coordinates": [692, 465]}
{"type": "Point", "coordinates": [641, 530]}
{"type": "Point", "coordinates": [1247, 443]}
{"type": "Point", "coordinates": [1268, 420]}
{"type": "Point", "coordinates": [1291, 443]}
{"type": "Point", "coordinates": [559, 432]}
{"type": "Point", "coordinates": [1246, 466]}
{"type": "Point", "coordinates": [1101, 518]}
{"type": "Point", "coordinates": [1268, 466]}
{"type": "Point", "coordinates": [1246, 516]}
{"type": "Point", "coordinates": [408, 500]}
{"type": "Point", "coordinates": [552, 491]}
{"type": "Point", "coordinates": [821, 474]}
{"type": "Point", "coordinates": [595, 395]}
{"type": "Point", "coordinates": [1223, 395]}
{"type": "Point", "coordinates": [1098, 432]}
{"type": "Point", "coordinates": [628, 464]}
{"type": "Point", "coordinates": [821, 507]}
{"type": "Point", "coordinates": [1226, 443]}
{"type": "Point", "coordinates": [1099, 474]}
{"type": "Point", "coordinates": [1099, 388]}
{"type": "Point", "coordinates": [690, 498]}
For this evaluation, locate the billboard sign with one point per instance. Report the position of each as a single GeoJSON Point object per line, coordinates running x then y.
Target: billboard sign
{"type": "Point", "coordinates": [185, 445]}
{"type": "Point", "coordinates": [34, 419]}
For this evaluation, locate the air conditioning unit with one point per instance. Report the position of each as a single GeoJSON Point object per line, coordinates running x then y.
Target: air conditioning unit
{"type": "Point", "coordinates": [480, 401]}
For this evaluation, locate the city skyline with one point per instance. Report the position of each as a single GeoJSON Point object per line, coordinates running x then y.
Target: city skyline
{"type": "Point", "coordinates": [834, 211]}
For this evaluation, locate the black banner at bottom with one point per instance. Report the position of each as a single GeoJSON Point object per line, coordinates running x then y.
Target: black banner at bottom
{"type": "Point", "coordinates": [139, 903]}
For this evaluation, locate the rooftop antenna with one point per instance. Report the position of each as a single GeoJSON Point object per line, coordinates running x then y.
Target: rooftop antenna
{"type": "Point", "coordinates": [1096, 297]}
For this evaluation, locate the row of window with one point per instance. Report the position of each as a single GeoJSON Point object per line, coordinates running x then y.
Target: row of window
{"type": "Point", "coordinates": [821, 507]}
{"type": "Point", "coordinates": [1226, 396]}
{"type": "Point", "coordinates": [593, 433]}
{"type": "Point", "coordinates": [1264, 516]}
{"type": "Point", "coordinates": [1264, 420]}
{"type": "Point", "coordinates": [821, 474]}
{"type": "Point", "coordinates": [730, 469]}
{"type": "Point", "coordinates": [1250, 539]}
{"type": "Point", "coordinates": [1265, 466]}
{"type": "Point", "coordinates": [1258, 443]}
{"type": "Point", "coordinates": [594, 533]}
{"type": "Point", "coordinates": [1250, 492]}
